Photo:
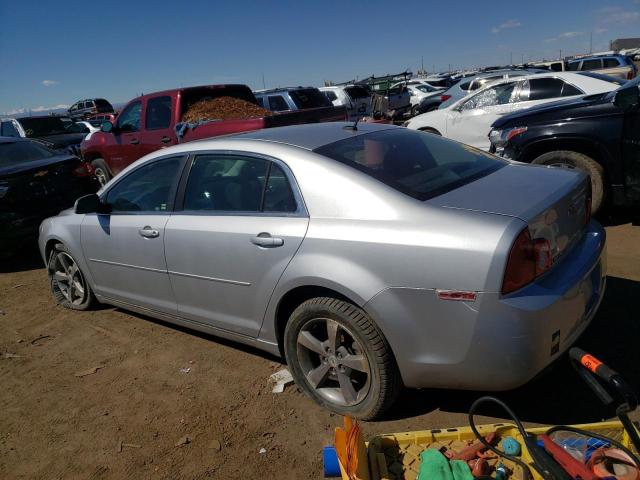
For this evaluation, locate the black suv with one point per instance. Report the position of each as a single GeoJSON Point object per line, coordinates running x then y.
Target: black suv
{"type": "Point", "coordinates": [599, 134]}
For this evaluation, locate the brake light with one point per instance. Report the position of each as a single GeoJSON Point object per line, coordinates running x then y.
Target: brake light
{"type": "Point", "coordinates": [444, 98]}
{"type": "Point", "coordinates": [528, 259]}
{"type": "Point", "coordinates": [84, 170]}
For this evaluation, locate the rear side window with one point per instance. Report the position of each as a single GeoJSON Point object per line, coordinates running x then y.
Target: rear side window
{"type": "Point", "coordinates": [158, 113]}
{"type": "Point", "coordinates": [331, 95]}
{"type": "Point", "coordinates": [573, 66]}
{"type": "Point", "coordinates": [595, 64]}
{"type": "Point", "coordinates": [611, 63]}
{"type": "Point", "coordinates": [543, 88]}
{"type": "Point", "coordinates": [309, 98]}
{"type": "Point", "coordinates": [277, 103]}
{"type": "Point", "coordinates": [233, 183]}
{"type": "Point", "coordinates": [412, 162]}
{"type": "Point", "coordinates": [88, 104]}
{"type": "Point", "coordinates": [149, 188]}
{"type": "Point", "coordinates": [260, 101]}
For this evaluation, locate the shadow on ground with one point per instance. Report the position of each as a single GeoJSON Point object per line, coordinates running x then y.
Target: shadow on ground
{"type": "Point", "coordinates": [559, 396]}
{"type": "Point", "coordinates": [612, 217]}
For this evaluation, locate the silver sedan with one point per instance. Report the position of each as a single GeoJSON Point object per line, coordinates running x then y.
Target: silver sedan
{"type": "Point", "coordinates": [371, 257]}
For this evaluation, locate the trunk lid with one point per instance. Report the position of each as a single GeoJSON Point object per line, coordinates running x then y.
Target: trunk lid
{"type": "Point", "coordinates": [552, 201]}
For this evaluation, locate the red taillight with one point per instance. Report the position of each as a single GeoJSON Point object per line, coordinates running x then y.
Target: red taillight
{"type": "Point", "coordinates": [84, 170]}
{"type": "Point", "coordinates": [528, 259]}
{"type": "Point", "coordinates": [444, 98]}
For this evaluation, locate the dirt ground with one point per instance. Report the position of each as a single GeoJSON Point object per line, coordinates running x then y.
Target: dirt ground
{"type": "Point", "coordinates": [170, 403]}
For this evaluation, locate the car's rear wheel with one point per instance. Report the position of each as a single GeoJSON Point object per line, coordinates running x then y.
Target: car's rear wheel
{"type": "Point", "coordinates": [101, 171]}
{"type": "Point", "coordinates": [569, 159]}
{"type": "Point", "coordinates": [68, 284]}
{"type": "Point", "coordinates": [339, 357]}
{"type": "Point", "coordinates": [415, 110]}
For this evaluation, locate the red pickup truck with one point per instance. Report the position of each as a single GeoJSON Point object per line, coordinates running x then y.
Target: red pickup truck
{"type": "Point", "coordinates": [150, 122]}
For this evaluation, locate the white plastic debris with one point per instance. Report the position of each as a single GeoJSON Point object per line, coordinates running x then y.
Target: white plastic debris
{"type": "Point", "coordinates": [185, 370]}
{"type": "Point", "coordinates": [262, 450]}
{"type": "Point", "coordinates": [281, 378]}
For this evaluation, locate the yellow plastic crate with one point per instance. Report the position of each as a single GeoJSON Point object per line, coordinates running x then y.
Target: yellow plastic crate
{"type": "Point", "coordinates": [402, 450]}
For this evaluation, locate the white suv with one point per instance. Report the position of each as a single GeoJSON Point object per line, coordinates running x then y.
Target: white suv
{"type": "Point", "coordinates": [355, 98]}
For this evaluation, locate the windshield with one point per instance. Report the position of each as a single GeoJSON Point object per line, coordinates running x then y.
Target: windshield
{"type": "Point", "coordinates": [42, 126]}
{"type": "Point", "coordinates": [14, 153]}
{"type": "Point", "coordinates": [415, 163]}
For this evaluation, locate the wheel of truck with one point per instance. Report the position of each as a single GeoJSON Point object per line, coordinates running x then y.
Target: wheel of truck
{"type": "Point", "coordinates": [68, 284]}
{"type": "Point", "coordinates": [568, 159]}
{"type": "Point", "coordinates": [339, 357]}
{"type": "Point", "coordinates": [101, 171]}
{"type": "Point", "coordinates": [430, 130]}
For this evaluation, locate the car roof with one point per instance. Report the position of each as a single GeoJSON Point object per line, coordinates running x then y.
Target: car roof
{"type": "Point", "coordinates": [281, 89]}
{"type": "Point", "coordinates": [312, 136]}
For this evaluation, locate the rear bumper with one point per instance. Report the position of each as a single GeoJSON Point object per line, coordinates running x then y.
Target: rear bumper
{"type": "Point", "coordinates": [497, 342]}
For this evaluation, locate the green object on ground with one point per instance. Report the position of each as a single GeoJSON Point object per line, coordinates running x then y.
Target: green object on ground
{"type": "Point", "coordinates": [434, 466]}
{"type": "Point", "coordinates": [461, 470]}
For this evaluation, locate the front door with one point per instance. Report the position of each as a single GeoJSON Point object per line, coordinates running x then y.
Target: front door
{"type": "Point", "coordinates": [126, 148]}
{"type": "Point", "coordinates": [631, 154]}
{"type": "Point", "coordinates": [125, 249]}
{"type": "Point", "coordinates": [156, 131]}
{"type": "Point", "coordinates": [239, 228]}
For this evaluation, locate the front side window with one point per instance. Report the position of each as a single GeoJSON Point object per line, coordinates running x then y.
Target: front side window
{"type": "Point", "coordinates": [331, 95]}
{"type": "Point", "coordinates": [498, 95]}
{"type": "Point", "coordinates": [277, 103]}
{"type": "Point", "coordinates": [158, 113]}
{"type": "Point", "coordinates": [231, 183]}
{"type": "Point", "coordinates": [413, 162]}
{"type": "Point", "coordinates": [149, 188]}
{"type": "Point", "coordinates": [611, 63]}
{"type": "Point", "coordinates": [129, 119]}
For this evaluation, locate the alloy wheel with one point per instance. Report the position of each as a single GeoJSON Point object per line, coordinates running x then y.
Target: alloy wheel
{"type": "Point", "coordinates": [101, 176]}
{"type": "Point", "coordinates": [69, 279]}
{"type": "Point", "coordinates": [333, 361]}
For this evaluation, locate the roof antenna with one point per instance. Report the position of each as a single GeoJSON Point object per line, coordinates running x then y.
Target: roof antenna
{"type": "Point", "coordinates": [353, 127]}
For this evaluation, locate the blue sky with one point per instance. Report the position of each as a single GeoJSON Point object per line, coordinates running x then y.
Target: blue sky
{"type": "Point", "coordinates": [54, 53]}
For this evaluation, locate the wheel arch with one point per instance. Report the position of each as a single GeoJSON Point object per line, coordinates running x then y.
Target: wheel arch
{"type": "Point", "coordinates": [591, 148]}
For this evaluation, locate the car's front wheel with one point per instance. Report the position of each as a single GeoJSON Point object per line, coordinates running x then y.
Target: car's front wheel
{"type": "Point", "coordinates": [101, 171]}
{"type": "Point", "coordinates": [68, 284]}
{"type": "Point", "coordinates": [339, 357]}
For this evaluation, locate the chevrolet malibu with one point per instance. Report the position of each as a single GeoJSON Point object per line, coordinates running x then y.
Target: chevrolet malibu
{"type": "Point", "coordinates": [371, 256]}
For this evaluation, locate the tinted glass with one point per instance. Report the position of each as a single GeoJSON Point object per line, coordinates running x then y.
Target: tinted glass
{"type": "Point", "coordinates": [357, 92]}
{"type": "Point", "coordinates": [556, 67]}
{"type": "Point", "coordinates": [88, 104]}
{"type": "Point", "coordinates": [331, 95]}
{"type": "Point", "coordinates": [604, 78]}
{"type": "Point", "coordinates": [278, 196]}
{"type": "Point", "coordinates": [225, 183]}
{"type": "Point", "coordinates": [41, 126]}
{"type": "Point", "coordinates": [129, 119]}
{"type": "Point", "coordinates": [103, 105]}
{"type": "Point", "coordinates": [611, 63]}
{"type": "Point", "coordinates": [260, 101]}
{"type": "Point", "coordinates": [147, 189]}
{"type": "Point", "coordinates": [481, 82]}
{"type": "Point", "coordinates": [309, 98]}
{"type": "Point", "coordinates": [9, 130]}
{"type": "Point", "coordinates": [158, 113]}
{"type": "Point", "coordinates": [14, 153]}
{"type": "Point", "coordinates": [573, 66]}
{"type": "Point", "coordinates": [569, 90]}
{"type": "Point", "coordinates": [543, 88]}
{"type": "Point", "coordinates": [498, 95]}
{"type": "Point", "coordinates": [415, 163]}
{"type": "Point", "coordinates": [594, 64]}
{"type": "Point", "coordinates": [277, 103]}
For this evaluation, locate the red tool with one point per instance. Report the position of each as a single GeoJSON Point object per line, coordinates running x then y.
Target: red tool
{"type": "Point", "coordinates": [473, 450]}
{"type": "Point", "coordinates": [576, 469]}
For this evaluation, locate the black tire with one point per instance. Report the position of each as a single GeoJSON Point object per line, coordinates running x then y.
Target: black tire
{"type": "Point", "coordinates": [431, 130]}
{"type": "Point", "coordinates": [586, 164]}
{"type": "Point", "coordinates": [76, 293]}
{"type": "Point", "coordinates": [415, 110]}
{"type": "Point", "coordinates": [359, 339]}
{"type": "Point", "coordinates": [101, 171]}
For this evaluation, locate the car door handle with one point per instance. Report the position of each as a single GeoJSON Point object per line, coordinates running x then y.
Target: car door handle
{"type": "Point", "coordinates": [148, 232]}
{"type": "Point", "coordinates": [265, 239]}
{"type": "Point", "coordinates": [134, 141]}
{"type": "Point", "coordinates": [165, 139]}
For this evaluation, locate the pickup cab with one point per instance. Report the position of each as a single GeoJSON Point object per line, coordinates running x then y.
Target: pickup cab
{"type": "Point", "coordinates": [153, 121]}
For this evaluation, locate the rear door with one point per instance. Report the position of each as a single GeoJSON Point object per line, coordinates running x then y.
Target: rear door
{"type": "Point", "coordinates": [241, 223]}
{"type": "Point", "coordinates": [125, 249]}
{"type": "Point", "coordinates": [157, 131]}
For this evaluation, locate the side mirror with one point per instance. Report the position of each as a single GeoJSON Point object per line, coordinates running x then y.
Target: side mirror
{"type": "Point", "coordinates": [626, 97]}
{"type": "Point", "coordinates": [91, 204]}
{"type": "Point", "coordinates": [106, 127]}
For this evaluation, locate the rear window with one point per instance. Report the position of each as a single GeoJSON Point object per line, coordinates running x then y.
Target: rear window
{"type": "Point", "coordinates": [309, 98]}
{"type": "Point", "coordinates": [357, 92]}
{"type": "Point", "coordinates": [415, 163]}
{"type": "Point", "coordinates": [15, 153]}
{"type": "Point", "coordinates": [42, 126]}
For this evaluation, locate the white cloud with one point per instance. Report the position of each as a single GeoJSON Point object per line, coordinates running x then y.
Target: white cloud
{"type": "Point", "coordinates": [600, 30]}
{"type": "Point", "coordinates": [41, 108]}
{"type": "Point", "coordinates": [507, 24]}
{"type": "Point", "coordinates": [49, 83]}
{"type": "Point", "coordinates": [570, 34]}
